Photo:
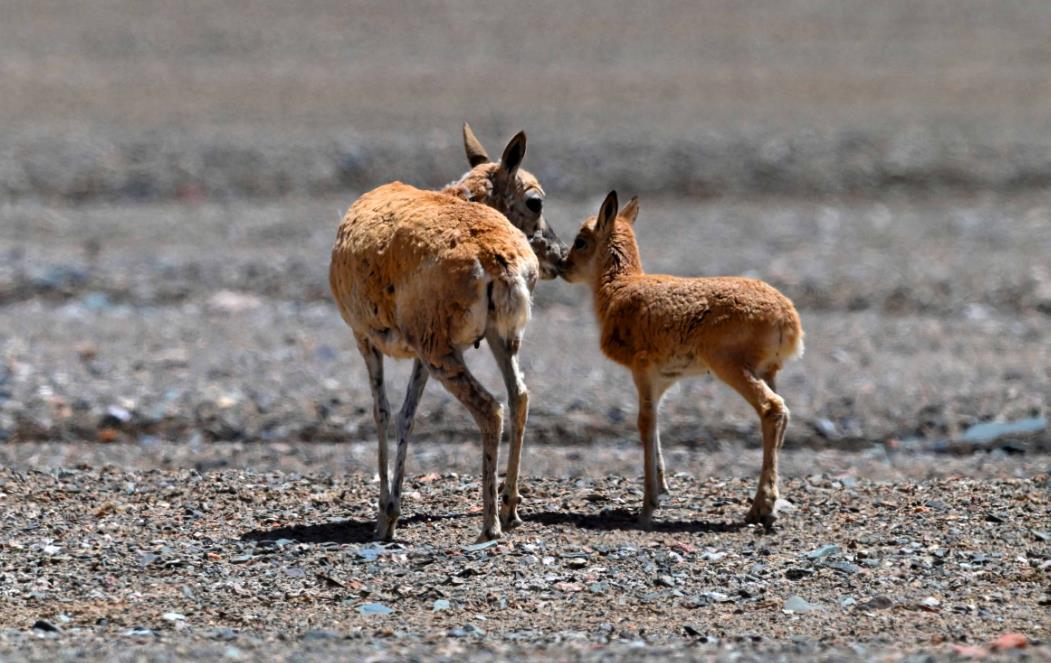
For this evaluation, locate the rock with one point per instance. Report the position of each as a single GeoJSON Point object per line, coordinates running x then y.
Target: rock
{"type": "Point", "coordinates": [798, 573]}
{"type": "Point", "coordinates": [989, 431]}
{"type": "Point", "coordinates": [844, 567]}
{"type": "Point", "coordinates": [45, 627]}
{"type": "Point", "coordinates": [173, 617]}
{"type": "Point", "coordinates": [467, 631]}
{"type": "Point", "coordinates": [228, 301]}
{"type": "Point", "coordinates": [321, 634]}
{"type": "Point", "coordinates": [598, 587]}
{"type": "Point", "coordinates": [139, 632]}
{"type": "Point", "coordinates": [224, 633]}
{"type": "Point", "coordinates": [878, 602]}
{"type": "Point", "coordinates": [375, 609]}
{"type": "Point", "coordinates": [824, 551]}
{"type": "Point", "coordinates": [441, 604]}
{"type": "Point", "coordinates": [799, 605]}
{"type": "Point", "coordinates": [481, 546]}
{"type": "Point", "coordinates": [369, 554]}
{"type": "Point", "coordinates": [930, 604]}
{"type": "Point", "coordinates": [1009, 641]}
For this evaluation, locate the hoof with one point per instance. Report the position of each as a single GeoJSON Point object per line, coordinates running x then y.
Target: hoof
{"type": "Point", "coordinates": [664, 489]}
{"type": "Point", "coordinates": [759, 515]}
{"type": "Point", "coordinates": [384, 532]}
{"type": "Point", "coordinates": [645, 520]}
{"type": "Point", "coordinates": [510, 521]}
{"type": "Point", "coordinates": [489, 535]}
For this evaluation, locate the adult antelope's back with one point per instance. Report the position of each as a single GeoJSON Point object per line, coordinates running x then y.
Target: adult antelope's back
{"type": "Point", "coordinates": [426, 274]}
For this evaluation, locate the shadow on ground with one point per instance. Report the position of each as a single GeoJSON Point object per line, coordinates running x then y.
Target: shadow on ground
{"type": "Point", "coordinates": [625, 519]}
{"type": "Point", "coordinates": [343, 531]}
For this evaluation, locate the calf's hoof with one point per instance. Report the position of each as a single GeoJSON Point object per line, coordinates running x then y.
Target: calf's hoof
{"type": "Point", "coordinates": [761, 514]}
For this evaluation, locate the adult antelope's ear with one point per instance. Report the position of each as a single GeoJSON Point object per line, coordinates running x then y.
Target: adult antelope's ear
{"type": "Point", "coordinates": [631, 210]}
{"type": "Point", "coordinates": [476, 154]}
{"type": "Point", "coordinates": [606, 214]}
{"type": "Point", "coordinates": [514, 153]}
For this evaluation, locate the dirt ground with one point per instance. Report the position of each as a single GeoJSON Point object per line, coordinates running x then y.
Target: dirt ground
{"type": "Point", "coordinates": [187, 456]}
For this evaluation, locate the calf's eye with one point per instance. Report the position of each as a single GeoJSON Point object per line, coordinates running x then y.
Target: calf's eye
{"type": "Point", "coordinates": [535, 205]}
{"type": "Point", "coordinates": [580, 244]}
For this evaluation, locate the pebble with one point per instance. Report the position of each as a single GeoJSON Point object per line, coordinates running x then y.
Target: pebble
{"type": "Point", "coordinates": [375, 609]}
{"type": "Point", "coordinates": [799, 605]}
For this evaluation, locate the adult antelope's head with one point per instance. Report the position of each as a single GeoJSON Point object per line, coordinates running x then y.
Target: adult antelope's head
{"type": "Point", "coordinates": [514, 192]}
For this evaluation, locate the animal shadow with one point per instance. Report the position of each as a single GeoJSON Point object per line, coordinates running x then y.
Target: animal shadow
{"type": "Point", "coordinates": [342, 531]}
{"type": "Point", "coordinates": [625, 519]}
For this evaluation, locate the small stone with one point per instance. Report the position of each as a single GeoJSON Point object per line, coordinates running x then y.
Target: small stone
{"type": "Point", "coordinates": [844, 567]}
{"type": "Point", "coordinates": [798, 573]}
{"type": "Point", "coordinates": [173, 617]}
{"type": "Point", "coordinates": [481, 546]}
{"type": "Point", "coordinates": [666, 581]}
{"type": "Point", "coordinates": [598, 587]}
{"type": "Point", "coordinates": [878, 602]}
{"type": "Point", "coordinates": [320, 634]}
{"type": "Point", "coordinates": [824, 551]}
{"type": "Point", "coordinates": [139, 632]}
{"type": "Point", "coordinates": [466, 631]}
{"type": "Point", "coordinates": [930, 604]}
{"type": "Point", "coordinates": [44, 626]}
{"type": "Point", "coordinates": [375, 609]}
{"type": "Point", "coordinates": [799, 605]}
{"type": "Point", "coordinates": [441, 604]}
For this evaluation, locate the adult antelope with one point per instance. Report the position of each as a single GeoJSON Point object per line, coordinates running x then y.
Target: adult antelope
{"type": "Point", "coordinates": [664, 328]}
{"type": "Point", "coordinates": [426, 274]}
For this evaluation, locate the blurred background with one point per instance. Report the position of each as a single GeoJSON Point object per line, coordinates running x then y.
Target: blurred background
{"type": "Point", "coordinates": [172, 175]}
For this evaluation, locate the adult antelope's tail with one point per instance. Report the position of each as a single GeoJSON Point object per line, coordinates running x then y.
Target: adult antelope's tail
{"type": "Point", "coordinates": [510, 298]}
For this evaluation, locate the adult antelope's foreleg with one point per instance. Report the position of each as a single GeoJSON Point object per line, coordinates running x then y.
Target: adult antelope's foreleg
{"type": "Point", "coordinates": [452, 372]}
{"type": "Point", "coordinates": [506, 354]}
{"type": "Point", "coordinates": [403, 425]}
{"type": "Point", "coordinates": [381, 414]}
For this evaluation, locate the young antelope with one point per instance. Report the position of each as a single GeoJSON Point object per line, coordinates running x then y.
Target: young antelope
{"type": "Point", "coordinates": [664, 328]}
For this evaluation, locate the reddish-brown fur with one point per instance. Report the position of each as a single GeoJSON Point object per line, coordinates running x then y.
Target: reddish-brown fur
{"type": "Point", "coordinates": [664, 328]}
{"type": "Point", "coordinates": [426, 274]}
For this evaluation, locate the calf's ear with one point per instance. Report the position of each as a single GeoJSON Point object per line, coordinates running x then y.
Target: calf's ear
{"type": "Point", "coordinates": [606, 213]}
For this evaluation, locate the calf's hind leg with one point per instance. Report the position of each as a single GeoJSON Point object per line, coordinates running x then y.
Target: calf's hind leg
{"type": "Point", "coordinates": [773, 418]}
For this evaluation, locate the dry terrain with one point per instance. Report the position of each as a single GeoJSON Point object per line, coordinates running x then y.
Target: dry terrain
{"type": "Point", "coordinates": [186, 445]}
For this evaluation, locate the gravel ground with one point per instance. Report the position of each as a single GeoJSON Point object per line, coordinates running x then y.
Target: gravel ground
{"type": "Point", "coordinates": [158, 565]}
{"type": "Point", "coordinates": [186, 450]}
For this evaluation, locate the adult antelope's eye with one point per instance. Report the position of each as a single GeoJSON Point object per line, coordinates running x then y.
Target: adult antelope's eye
{"type": "Point", "coordinates": [580, 244]}
{"type": "Point", "coordinates": [535, 205]}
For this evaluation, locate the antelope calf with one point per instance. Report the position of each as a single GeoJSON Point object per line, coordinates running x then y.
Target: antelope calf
{"type": "Point", "coordinates": [664, 328]}
{"type": "Point", "coordinates": [425, 275]}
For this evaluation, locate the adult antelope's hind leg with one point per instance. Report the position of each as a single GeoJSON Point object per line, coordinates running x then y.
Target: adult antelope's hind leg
{"type": "Point", "coordinates": [506, 354]}
{"type": "Point", "coordinates": [773, 418]}
{"type": "Point", "coordinates": [403, 425]}
{"type": "Point", "coordinates": [451, 371]}
{"type": "Point", "coordinates": [381, 414]}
